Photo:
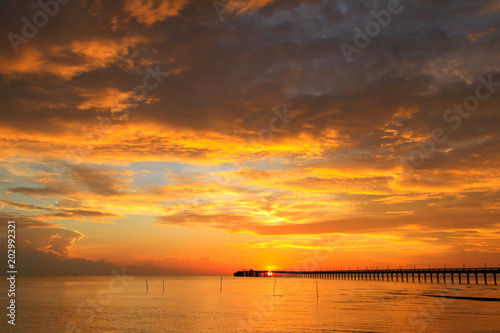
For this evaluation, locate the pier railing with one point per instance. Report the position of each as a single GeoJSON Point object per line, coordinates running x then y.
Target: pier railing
{"type": "Point", "coordinates": [460, 275]}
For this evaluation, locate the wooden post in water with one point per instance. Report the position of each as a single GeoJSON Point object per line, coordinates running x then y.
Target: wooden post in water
{"type": "Point", "coordinates": [274, 288]}
{"type": "Point", "coordinates": [146, 285]}
{"type": "Point", "coordinates": [317, 294]}
{"type": "Point", "coordinates": [221, 284]}
{"type": "Point", "coordinates": [163, 286]}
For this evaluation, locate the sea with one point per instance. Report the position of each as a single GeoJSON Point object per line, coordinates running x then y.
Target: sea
{"type": "Point", "coordinates": [122, 303]}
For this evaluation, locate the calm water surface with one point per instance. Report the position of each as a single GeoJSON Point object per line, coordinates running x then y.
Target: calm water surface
{"type": "Point", "coordinates": [195, 304]}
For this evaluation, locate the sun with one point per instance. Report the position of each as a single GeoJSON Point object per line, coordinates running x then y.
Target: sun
{"type": "Point", "coordinates": [270, 268]}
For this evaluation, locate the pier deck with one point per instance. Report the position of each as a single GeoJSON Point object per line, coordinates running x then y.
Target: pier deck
{"type": "Point", "coordinates": [453, 275]}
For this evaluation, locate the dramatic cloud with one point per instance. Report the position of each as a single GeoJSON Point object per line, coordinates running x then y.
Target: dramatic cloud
{"type": "Point", "coordinates": [55, 240]}
{"type": "Point", "coordinates": [249, 124]}
{"type": "Point", "coordinates": [149, 12]}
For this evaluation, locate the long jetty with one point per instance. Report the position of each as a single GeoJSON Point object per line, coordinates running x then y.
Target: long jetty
{"type": "Point", "coordinates": [459, 275]}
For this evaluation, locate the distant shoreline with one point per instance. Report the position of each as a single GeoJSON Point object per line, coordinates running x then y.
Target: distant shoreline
{"type": "Point", "coordinates": [483, 299]}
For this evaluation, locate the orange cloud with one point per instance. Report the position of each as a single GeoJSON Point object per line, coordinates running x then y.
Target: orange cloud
{"type": "Point", "coordinates": [85, 55]}
{"type": "Point", "coordinates": [148, 12]}
{"type": "Point", "coordinates": [245, 7]}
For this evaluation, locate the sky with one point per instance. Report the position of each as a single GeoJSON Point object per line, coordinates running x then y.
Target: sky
{"type": "Point", "coordinates": [205, 137]}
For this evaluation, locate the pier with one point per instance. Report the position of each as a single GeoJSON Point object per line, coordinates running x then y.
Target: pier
{"type": "Point", "coordinates": [426, 275]}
